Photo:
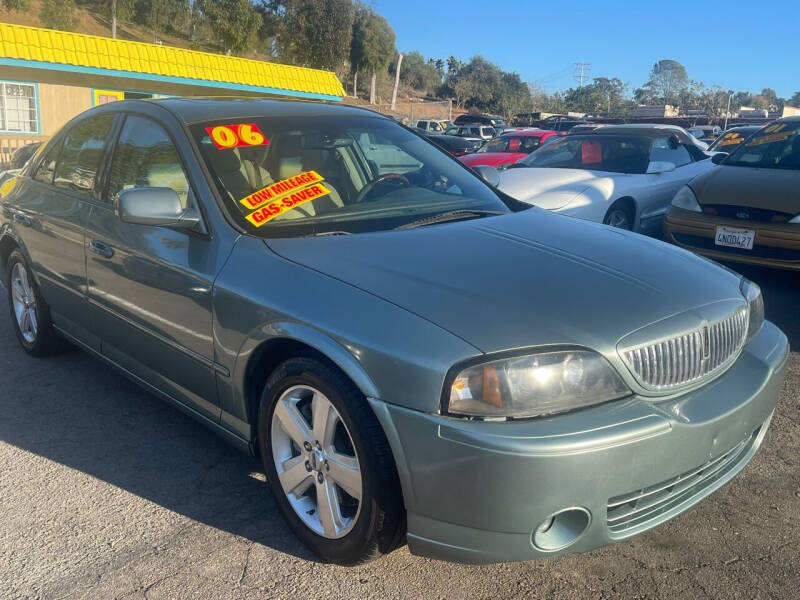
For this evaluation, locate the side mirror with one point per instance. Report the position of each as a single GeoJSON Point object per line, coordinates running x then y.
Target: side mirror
{"type": "Point", "coordinates": [719, 157]}
{"type": "Point", "coordinates": [158, 206]}
{"type": "Point", "coordinates": [656, 167]}
{"type": "Point", "coordinates": [489, 174]}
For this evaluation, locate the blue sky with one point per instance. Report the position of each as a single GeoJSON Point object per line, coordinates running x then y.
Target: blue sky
{"type": "Point", "coordinates": [734, 44]}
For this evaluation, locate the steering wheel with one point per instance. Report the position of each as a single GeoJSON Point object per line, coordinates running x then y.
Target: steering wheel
{"type": "Point", "coordinates": [380, 179]}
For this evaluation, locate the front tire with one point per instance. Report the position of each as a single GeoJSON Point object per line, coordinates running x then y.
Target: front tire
{"type": "Point", "coordinates": [619, 216]}
{"type": "Point", "coordinates": [30, 315]}
{"type": "Point", "coordinates": [328, 463]}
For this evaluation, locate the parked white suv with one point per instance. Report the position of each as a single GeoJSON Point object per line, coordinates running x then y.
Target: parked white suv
{"type": "Point", "coordinates": [433, 125]}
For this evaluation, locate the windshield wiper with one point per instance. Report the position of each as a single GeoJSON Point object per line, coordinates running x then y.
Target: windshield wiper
{"type": "Point", "coordinates": [516, 165]}
{"type": "Point", "coordinates": [453, 215]}
{"type": "Point", "coordinates": [324, 233]}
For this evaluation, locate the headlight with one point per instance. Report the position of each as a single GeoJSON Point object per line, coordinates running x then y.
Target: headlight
{"type": "Point", "coordinates": [534, 385]}
{"type": "Point", "coordinates": [686, 199]}
{"type": "Point", "coordinates": [755, 308]}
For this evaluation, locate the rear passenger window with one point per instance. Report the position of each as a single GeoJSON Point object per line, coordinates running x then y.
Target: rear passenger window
{"type": "Point", "coordinates": [47, 167]}
{"type": "Point", "coordinates": [146, 157]}
{"type": "Point", "coordinates": [81, 152]}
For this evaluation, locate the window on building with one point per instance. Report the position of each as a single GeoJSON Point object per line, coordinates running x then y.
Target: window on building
{"type": "Point", "coordinates": [19, 110]}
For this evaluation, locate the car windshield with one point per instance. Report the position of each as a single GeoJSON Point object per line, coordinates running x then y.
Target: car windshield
{"type": "Point", "coordinates": [512, 143]}
{"type": "Point", "coordinates": [616, 154]}
{"type": "Point", "coordinates": [304, 176]}
{"type": "Point", "coordinates": [776, 146]}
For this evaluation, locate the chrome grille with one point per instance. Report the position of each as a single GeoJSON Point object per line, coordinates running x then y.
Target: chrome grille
{"type": "Point", "coordinates": [642, 509]}
{"type": "Point", "coordinates": [688, 358]}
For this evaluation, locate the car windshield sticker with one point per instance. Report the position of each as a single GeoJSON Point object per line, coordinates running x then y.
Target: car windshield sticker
{"type": "Point", "coordinates": [591, 152]}
{"type": "Point", "coordinates": [286, 203]}
{"type": "Point", "coordinates": [234, 136]}
{"type": "Point", "coordinates": [772, 137]}
{"type": "Point", "coordinates": [731, 138]}
{"type": "Point", "coordinates": [275, 190]}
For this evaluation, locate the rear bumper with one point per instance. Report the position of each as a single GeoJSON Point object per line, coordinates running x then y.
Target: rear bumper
{"type": "Point", "coordinates": [476, 491]}
{"type": "Point", "coordinates": [775, 245]}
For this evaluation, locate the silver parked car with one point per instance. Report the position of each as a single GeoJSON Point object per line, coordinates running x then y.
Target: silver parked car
{"type": "Point", "coordinates": [413, 355]}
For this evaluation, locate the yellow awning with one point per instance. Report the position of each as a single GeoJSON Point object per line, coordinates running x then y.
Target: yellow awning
{"type": "Point", "coordinates": [33, 47]}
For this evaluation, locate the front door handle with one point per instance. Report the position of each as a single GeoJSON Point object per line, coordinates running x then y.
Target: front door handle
{"type": "Point", "coordinates": [102, 249]}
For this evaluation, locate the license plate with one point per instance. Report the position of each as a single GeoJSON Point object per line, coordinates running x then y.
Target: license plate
{"type": "Point", "coordinates": [735, 238]}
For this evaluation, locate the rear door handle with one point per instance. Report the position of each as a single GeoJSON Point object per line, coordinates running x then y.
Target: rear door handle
{"type": "Point", "coordinates": [102, 249]}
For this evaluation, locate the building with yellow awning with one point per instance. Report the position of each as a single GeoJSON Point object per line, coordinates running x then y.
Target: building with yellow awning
{"type": "Point", "coordinates": [47, 77]}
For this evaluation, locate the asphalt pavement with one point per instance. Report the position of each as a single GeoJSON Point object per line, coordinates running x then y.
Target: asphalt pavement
{"type": "Point", "coordinates": [107, 492]}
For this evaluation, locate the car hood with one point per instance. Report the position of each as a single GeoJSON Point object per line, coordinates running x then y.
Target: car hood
{"type": "Point", "coordinates": [491, 158]}
{"type": "Point", "coordinates": [519, 280]}
{"type": "Point", "coordinates": [553, 188]}
{"type": "Point", "coordinates": [772, 189]}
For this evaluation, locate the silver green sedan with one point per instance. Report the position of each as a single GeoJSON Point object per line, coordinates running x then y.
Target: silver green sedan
{"type": "Point", "coordinates": [414, 355]}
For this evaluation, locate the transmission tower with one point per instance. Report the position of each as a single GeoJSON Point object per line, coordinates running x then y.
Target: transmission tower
{"type": "Point", "coordinates": [581, 71]}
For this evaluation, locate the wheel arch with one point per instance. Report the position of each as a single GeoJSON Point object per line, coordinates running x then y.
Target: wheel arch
{"type": "Point", "coordinates": [8, 243]}
{"type": "Point", "coordinates": [272, 344]}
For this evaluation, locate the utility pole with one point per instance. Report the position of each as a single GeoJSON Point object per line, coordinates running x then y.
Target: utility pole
{"type": "Point", "coordinates": [581, 70]}
{"type": "Point", "coordinates": [728, 111]}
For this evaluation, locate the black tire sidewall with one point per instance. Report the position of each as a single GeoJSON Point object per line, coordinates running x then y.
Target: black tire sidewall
{"type": "Point", "coordinates": [351, 548]}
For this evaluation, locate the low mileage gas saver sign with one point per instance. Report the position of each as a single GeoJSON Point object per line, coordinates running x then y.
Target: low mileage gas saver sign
{"type": "Point", "coordinates": [282, 196]}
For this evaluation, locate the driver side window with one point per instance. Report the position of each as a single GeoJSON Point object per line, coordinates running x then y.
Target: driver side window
{"type": "Point", "coordinates": [663, 151]}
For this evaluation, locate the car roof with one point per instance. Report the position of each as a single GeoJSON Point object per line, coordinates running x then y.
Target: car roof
{"type": "Point", "coordinates": [792, 119]}
{"type": "Point", "coordinates": [192, 110]}
{"type": "Point", "coordinates": [525, 132]}
{"type": "Point", "coordinates": [651, 131]}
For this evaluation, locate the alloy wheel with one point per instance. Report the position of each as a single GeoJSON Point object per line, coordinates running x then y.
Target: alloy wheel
{"type": "Point", "coordinates": [23, 299]}
{"type": "Point", "coordinates": [316, 462]}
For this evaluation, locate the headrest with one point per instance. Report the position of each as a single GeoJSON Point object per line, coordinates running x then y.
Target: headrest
{"type": "Point", "coordinates": [289, 166]}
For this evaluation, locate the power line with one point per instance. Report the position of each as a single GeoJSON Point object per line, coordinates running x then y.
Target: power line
{"type": "Point", "coordinates": [581, 70]}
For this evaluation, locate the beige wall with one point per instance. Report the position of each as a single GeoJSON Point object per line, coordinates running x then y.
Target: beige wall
{"type": "Point", "coordinates": [59, 103]}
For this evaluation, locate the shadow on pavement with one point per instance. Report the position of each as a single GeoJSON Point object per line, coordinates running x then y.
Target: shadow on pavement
{"type": "Point", "coordinates": [83, 415]}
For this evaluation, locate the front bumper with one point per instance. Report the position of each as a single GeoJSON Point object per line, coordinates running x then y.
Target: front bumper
{"type": "Point", "coordinates": [476, 491]}
{"type": "Point", "coordinates": [775, 245]}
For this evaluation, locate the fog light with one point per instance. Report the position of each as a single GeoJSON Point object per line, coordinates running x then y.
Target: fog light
{"type": "Point", "coordinates": [561, 529]}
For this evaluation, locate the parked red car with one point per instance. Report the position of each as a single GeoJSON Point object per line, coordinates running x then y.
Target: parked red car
{"type": "Point", "coordinates": [507, 148]}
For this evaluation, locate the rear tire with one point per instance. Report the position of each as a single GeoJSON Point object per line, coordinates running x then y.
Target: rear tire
{"type": "Point", "coordinates": [30, 314]}
{"type": "Point", "coordinates": [316, 428]}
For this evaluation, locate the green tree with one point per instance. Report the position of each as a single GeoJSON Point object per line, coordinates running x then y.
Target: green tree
{"type": "Point", "coordinates": [160, 15]}
{"type": "Point", "coordinates": [476, 82]}
{"type": "Point", "coordinates": [10, 5]}
{"type": "Point", "coordinates": [418, 74]}
{"type": "Point", "coordinates": [795, 99]}
{"type": "Point", "coordinates": [58, 14]}
{"type": "Point", "coordinates": [586, 99]}
{"type": "Point", "coordinates": [667, 79]}
{"type": "Point", "coordinates": [372, 45]}
{"type": "Point", "coordinates": [118, 11]}
{"type": "Point", "coordinates": [235, 23]}
{"type": "Point", "coordinates": [311, 35]}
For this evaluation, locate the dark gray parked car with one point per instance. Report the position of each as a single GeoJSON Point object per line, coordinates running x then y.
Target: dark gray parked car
{"type": "Point", "coordinates": [413, 354]}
